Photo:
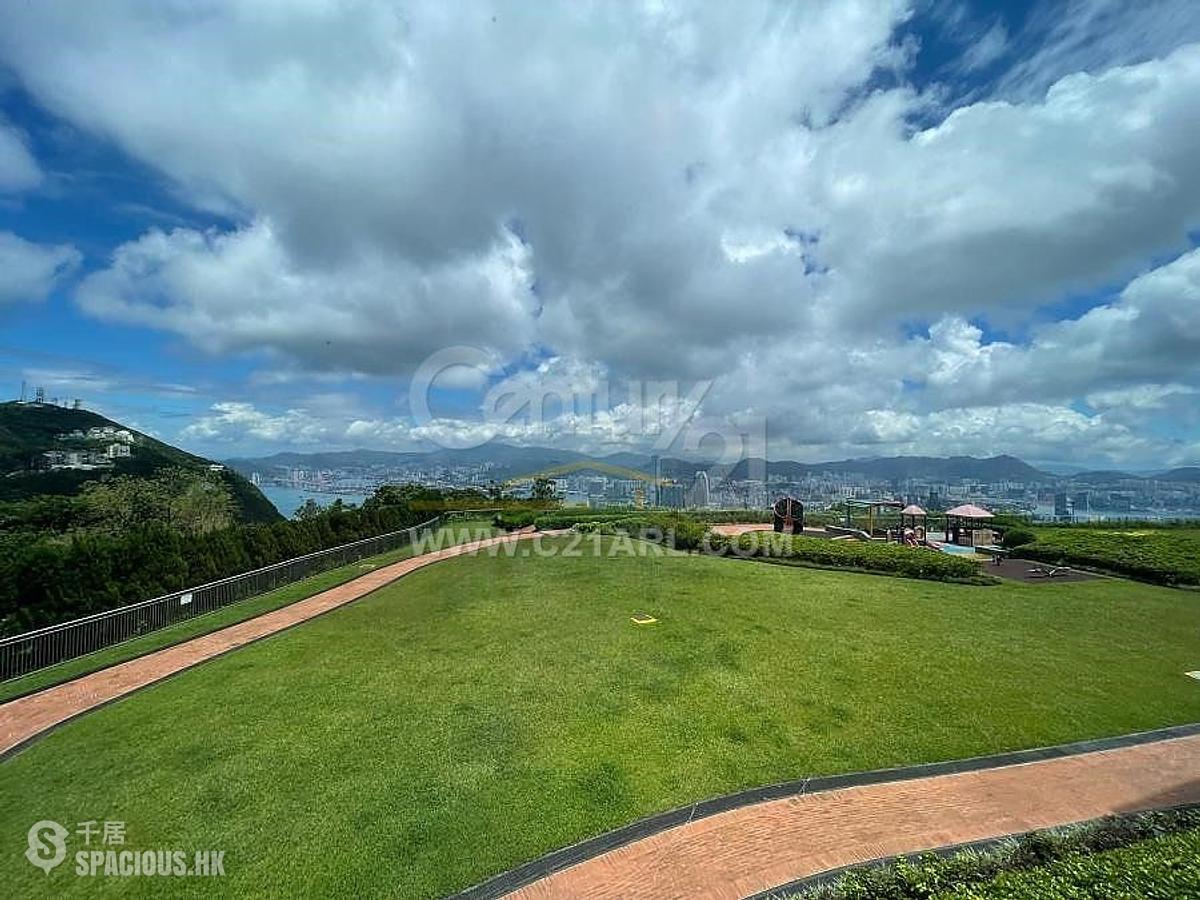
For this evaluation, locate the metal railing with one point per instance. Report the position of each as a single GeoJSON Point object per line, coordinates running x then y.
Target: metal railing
{"type": "Point", "coordinates": [21, 654]}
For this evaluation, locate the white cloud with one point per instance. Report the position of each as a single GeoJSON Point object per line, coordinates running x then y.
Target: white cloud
{"type": "Point", "coordinates": [28, 271]}
{"type": "Point", "coordinates": [231, 421]}
{"type": "Point", "coordinates": [708, 192]}
{"type": "Point", "coordinates": [242, 291]}
{"type": "Point", "coordinates": [18, 169]}
{"type": "Point", "coordinates": [987, 49]}
{"type": "Point", "coordinates": [1140, 397]}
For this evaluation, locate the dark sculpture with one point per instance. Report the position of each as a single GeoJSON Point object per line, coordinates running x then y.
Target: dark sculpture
{"type": "Point", "coordinates": [788, 515]}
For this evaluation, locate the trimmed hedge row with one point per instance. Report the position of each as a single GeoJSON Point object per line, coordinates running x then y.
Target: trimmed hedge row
{"type": "Point", "coordinates": [1155, 854]}
{"type": "Point", "coordinates": [1166, 867]}
{"type": "Point", "coordinates": [881, 558]}
{"type": "Point", "coordinates": [678, 532]}
{"type": "Point", "coordinates": [1168, 556]}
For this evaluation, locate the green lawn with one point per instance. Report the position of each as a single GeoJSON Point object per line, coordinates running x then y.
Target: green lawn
{"type": "Point", "coordinates": [465, 529]}
{"type": "Point", "coordinates": [489, 709]}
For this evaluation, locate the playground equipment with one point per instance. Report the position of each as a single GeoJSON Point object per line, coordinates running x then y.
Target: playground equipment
{"type": "Point", "coordinates": [788, 515]}
{"type": "Point", "coordinates": [871, 506]}
{"type": "Point", "coordinates": [963, 522]}
{"type": "Point", "coordinates": [913, 525]}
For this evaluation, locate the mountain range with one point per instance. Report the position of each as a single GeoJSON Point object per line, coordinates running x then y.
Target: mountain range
{"type": "Point", "coordinates": [511, 462]}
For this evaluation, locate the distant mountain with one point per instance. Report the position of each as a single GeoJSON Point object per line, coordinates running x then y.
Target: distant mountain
{"type": "Point", "coordinates": [1102, 476]}
{"type": "Point", "coordinates": [508, 460]}
{"type": "Point", "coordinates": [512, 462]}
{"type": "Point", "coordinates": [29, 430]}
{"type": "Point", "coordinates": [1189, 474]}
{"type": "Point", "coordinates": [336, 459]}
{"type": "Point", "coordinates": [900, 468]}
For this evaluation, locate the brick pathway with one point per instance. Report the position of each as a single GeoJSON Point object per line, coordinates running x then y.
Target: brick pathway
{"type": "Point", "coordinates": [755, 848]}
{"type": "Point", "coordinates": [27, 717]}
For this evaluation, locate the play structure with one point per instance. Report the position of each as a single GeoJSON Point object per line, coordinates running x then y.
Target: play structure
{"type": "Point", "coordinates": [968, 526]}
{"type": "Point", "coordinates": [914, 526]}
{"type": "Point", "coordinates": [874, 510]}
{"type": "Point", "coordinates": [788, 515]}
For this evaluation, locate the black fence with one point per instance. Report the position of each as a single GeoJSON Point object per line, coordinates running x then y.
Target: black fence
{"type": "Point", "coordinates": [21, 654]}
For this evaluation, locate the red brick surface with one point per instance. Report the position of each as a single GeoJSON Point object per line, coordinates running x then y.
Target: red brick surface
{"type": "Point", "coordinates": [744, 851]}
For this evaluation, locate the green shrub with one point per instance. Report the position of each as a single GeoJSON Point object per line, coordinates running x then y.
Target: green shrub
{"type": "Point", "coordinates": [567, 518]}
{"type": "Point", "coordinates": [1169, 556]}
{"type": "Point", "coordinates": [514, 519]}
{"type": "Point", "coordinates": [676, 531]}
{"type": "Point", "coordinates": [1017, 537]}
{"type": "Point", "coordinates": [1147, 854]}
{"type": "Point", "coordinates": [887, 559]}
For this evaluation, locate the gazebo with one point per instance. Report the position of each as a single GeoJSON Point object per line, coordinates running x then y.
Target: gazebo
{"type": "Point", "coordinates": [965, 520]}
{"type": "Point", "coordinates": [909, 517]}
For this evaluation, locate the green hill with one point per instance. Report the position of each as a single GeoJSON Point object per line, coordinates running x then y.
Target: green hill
{"type": "Point", "coordinates": [28, 431]}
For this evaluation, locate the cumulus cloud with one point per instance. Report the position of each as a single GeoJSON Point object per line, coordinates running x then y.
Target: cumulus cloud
{"type": "Point", "coordinates": [30, 271]}
{"type": "Point", "coordinates": [231, 421]}
{"type": "Point", "coordinates": [716, 192]}
{"type": "Point", "coordinates": [241, 291]}
{"type": "Point", "coordinates": [1143, 342]}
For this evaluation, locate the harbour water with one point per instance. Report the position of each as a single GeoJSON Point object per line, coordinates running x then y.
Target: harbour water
{"type": "Point", "coordinates": [288, 499]}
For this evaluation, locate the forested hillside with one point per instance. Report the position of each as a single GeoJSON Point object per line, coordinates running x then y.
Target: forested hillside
{"type": "Point", "coordinates": [28, 432]}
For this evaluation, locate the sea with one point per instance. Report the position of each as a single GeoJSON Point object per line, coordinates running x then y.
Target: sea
{"type": "Point", "coordinates": [288, 499]}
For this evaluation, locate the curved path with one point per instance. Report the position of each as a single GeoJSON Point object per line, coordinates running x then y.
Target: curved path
{"type": "Point", "coordinates": [751, 843]}
{"type": "Point", "coordinates": [26, 718]}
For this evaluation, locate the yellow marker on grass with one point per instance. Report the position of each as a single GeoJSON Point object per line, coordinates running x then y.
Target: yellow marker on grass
{"type": "Point", "coordinates": [643, 619]}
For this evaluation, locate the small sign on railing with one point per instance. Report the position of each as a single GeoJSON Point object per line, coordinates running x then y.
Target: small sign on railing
{"type": "Point", "coordinates": [185, 599]}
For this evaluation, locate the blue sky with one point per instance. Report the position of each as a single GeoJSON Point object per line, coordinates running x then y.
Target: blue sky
{"type": "Point", "coordinates": [263, 246]}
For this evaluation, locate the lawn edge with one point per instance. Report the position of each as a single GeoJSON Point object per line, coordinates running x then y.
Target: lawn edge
{"type": "Point", "coordinates": [574, 854]}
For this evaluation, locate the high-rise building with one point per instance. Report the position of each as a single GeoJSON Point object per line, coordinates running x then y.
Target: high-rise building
{"type": "Point", "coordinates": [701, 490]}
{"type": "Point", "coordinates": [1062, 506]}
{"type": "Point", "coordinates": [1081, 503]}
{"type": "Point", "coordinates": [671, 496]}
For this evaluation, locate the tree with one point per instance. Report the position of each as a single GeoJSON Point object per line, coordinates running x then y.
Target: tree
{"type": "Point", "coordinates": [310, 509]}
{"type": "Point", "coordinates": [543, 490]}
{"type": "Point", "coordinates": [181, 499]}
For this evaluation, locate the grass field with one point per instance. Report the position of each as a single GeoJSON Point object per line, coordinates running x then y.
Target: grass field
{"type": "Point", "coordinates": [464, 529]}
{"type": "Point", "coordinates": [486, 710]}
{"type": "Point", "coordinates": [1162, 555]}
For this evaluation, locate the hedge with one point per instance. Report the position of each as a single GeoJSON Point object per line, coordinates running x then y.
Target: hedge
{"type": "Point", "coordinates": [676, 531]}
{"type": "Point", "coordinates": [1152, 854]}
{"type": "Point", "coordinates": [1169, 556]}
{"type": "Point", "coordinates": [880, 558]}
{"type": "Point", "coordinates": [58, 579]}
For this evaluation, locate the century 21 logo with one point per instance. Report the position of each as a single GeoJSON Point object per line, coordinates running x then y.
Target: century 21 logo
{"type": "Point", "coordinates": [47, 845]}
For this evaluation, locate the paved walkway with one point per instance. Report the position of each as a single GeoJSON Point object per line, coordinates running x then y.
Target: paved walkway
{"type": "Point", "coordinates": [756, 848]}
{"type": "Point", "coordinates": [25, 718]}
